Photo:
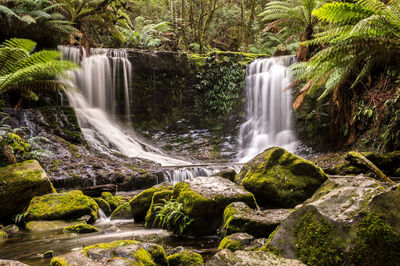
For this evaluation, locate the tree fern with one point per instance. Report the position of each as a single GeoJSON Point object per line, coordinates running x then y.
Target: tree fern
{"type": "Point", "coordinates": [25, 72]}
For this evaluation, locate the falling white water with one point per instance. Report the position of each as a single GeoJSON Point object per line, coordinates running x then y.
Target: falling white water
{"type": "Point", "coordinates": [97, 80]}
{"type": "Point", "coordinates": [269, 108]}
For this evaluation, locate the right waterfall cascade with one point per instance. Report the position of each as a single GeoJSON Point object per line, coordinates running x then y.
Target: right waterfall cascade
{"type": "Point", "coordinates": [269, 119]}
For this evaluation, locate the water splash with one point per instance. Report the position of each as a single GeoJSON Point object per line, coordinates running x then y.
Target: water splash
{"type": "Point", "coordinates": [269, 108]}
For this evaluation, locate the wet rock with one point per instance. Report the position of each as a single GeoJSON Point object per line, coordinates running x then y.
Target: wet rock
{"type": "Point", "coordinates": [256, 258]}
{"type": "Point", "coordinates": [280, 179]}
{"type": "Point", "coordinates": [117, 252]}
{"type": "Point", "coordinates": [347, 221]}
{"type": "Point", "coordinates": [62, 206]}
{"type": "Point", "coordinates": [140, 204]}
{"type": "Point", "coordinates": [41, 226]}
{"type": "Point", "coordinates": [11, 263]}
{"type": "Point", "coordinates": [236, 241]}
{"type": "Point", "coordinates": [103, 205]}
{"type": "Point", "coordinates": [19, 183]}
{"type": "Point", "coordinates": [185, 257]}
{"type": "Point", "coordinates": [122, 212]}
{"type": "Point", "coordinates": [11, 229]}
{"type": "Point", "coordinates": [228, 173]}
{"type": "Point", "coordinates": [158, 197]}
{"type": "Point", "coordinates": [48, 254]}
{"type": "Point", "coordinates": [238, 217]}
{"type": "Point", "coordinates": [204, 199]}
{"type": "Point", "coordinates": [96, 191]}
{"type": "Point", "coordinates": [80, 229]}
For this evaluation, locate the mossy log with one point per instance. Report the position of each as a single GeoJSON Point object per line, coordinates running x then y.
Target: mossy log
{"type": "Point", "coordinates": [360, 160]}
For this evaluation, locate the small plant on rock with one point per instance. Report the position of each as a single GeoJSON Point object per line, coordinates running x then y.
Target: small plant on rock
{"type": "Point", "coordinates": [170, 216]}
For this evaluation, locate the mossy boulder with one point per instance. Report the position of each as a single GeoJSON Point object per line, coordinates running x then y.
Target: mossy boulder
{"type": "Point", "coordinates": [103, 205]}
{"type": "Point", "coordinates": [158, 198]}
{"type": "Point", "coordinates": [348, 221]}
{"type": "Point", "coordinates": [185, 257]}
{"type": "Point", "coordinates": [228, 173]}
{"type": "Point", "coordinates": [236, 241]}
{"type": "Point", "coordinates": [19, 183]}
{"type": "Point", "coordinates": [112, 200]}
{"type": "Point", "coordinates": [140, 204]}
{"type": "Point", "coordinates": [238, 217]}
{"type": "Point", "coordinates": [80, 229]}
{"type": "Point", "coordinates": [41, 226]}
{"type": "Point", "coordinates": [205, 199]}
{"type": "Point", "coordinates": [241, 257]}
{"type": "Point", "coordinates": [121, 252]}
{"type": "Point", "coordinates": [280, 179]}
{"type": "Point", "coordinates": [62, 206]}
{"type": "Point", "coordinates": [122, 212]}
{"type": "Point", "coordinates": [3, 236]}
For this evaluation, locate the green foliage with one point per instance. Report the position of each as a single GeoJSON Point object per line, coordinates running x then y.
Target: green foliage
{"type": "Point", "coordinates": [391, 130]}
{"type": "Point", "coordinates": [221, 81]}
{"type": "Point", "coordinates": [25, 72]}
{"type": "Point", "coordinates": [170, 216]}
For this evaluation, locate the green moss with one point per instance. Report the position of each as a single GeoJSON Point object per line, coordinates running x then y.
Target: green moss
{"type": "Point", "coordinates": [158, 254]}
{"type": "Point", "coordinates": [110, 245]}
{"type": "Point", "coordinates": [18, 146]}
{"type": "Point", "coordinates": [103, 205]}
{"type": "Point", "coordinates": [317, 241]}
{"type": "Point", "coordinates": [3, 236]}
{"type": "Point", "coordinates": [122, 212]}
{"type": "Point", "coordinates": [80, 229]}
{"type": "Point", "coordinates": [140, 204]}
{"type": "Point", "coordinates": [58, 261]}
{"type": "Point", "coordinates": [113, 201]}
{"type": "Point", "coordinates": [143, 257]}
{"type": "Point", "coordinates": [230, 244]}
{"type": "Point", "coordinates": [158, 197]}
{"type": "Point", "coordinates": [65, 206]}
{"type": "Point", "coordinates": [187, 257]}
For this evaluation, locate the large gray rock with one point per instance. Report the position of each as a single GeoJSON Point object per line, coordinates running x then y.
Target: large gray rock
{"type": "Point", "coordinates": [347, 221]}
{"type": "Point", "coordinates": [257, 258]}
{"type": "Point", "coordinates": [19, 183]}
{"type": "Point", "coordinates": [280, 179]}
{"type": "Point", "coordinates": [12, 263]}
{"type": "Point", "coordinates": [204, 199]}
{"type": "Point", "coordinates": [238, 217]}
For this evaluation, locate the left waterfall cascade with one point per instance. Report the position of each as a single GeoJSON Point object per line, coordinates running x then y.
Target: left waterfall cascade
{"type": "Point", "coordinates": [104, 83]}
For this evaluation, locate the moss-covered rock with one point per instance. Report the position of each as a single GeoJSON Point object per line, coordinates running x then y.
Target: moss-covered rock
{"type": "Point", "coordinates": [80, 229]}
{"type": "Point", "coordinates": [103, 205]}
{"type": "Point", "coordinates": [19, 183]}
{"type": "Point", "coordinates": [122, 212]}
{"type": "Point", "coordinates": [204, 199]}
{"type": "Point", "coordinates": [348, 221]}
{"type": "Point", "coordinates": [236, 241]}
{"type": "Point", "coordinates": [228, 173]}
{"type": "Point", "coordinates": [278, 178]}
{"type": "Point", "coordinates": [140, 204]}
{"type": "Point", "coordinates": [3, 236]}
{"type": "Point", "coordinates": [41, 226]}
{"type": "Point", "coordinates": [63, 206]}
{"type": "Point", "coordinates": [238, 217]}
{"type": "Point", "coordinates": [186, 257]}
{"type": "Point", "coordinates": [158, 197]}
{"type": "Point", "coordinates": [112, 200]}
{"type": "Point", "coordinates": [241, 257]}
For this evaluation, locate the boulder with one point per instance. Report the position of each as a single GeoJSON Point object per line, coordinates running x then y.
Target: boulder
{"type": "Point", "coordinates": [3, 235]}
{"type": "Point", "coordinates": [158, 197]}
{"type": "Point", "coordinates": [19, 183]}
{"type": "Point", "coordinates": [80, 229]}
{"type": "Point", "coordinates": [140, 204]}
{"type": "Point", "coordinates": [11, 229]}
{"type": "Point", "coordinates": [238, 241]}
{"type": "Point", "coordinates": [113, 201]}
{"type": "Point", "coordinates": [204, 199]}
{"type": "Point", "coordinates": [127, 252]}
{"type": "Point", "coordinates": [62, 206]}
{"type": "Point", "coordinates": [227, 173]}
{"type": "Point", "coordinates": [257, 258]}
{"type": "Point", "coordinates": [122, 212]}
{"type": "Point", "coordinates": [103, 205]}
{"type": "Point", "coordinates": [185, 257]}
{"type": "Point", "coordinates": [352, 221]}
{"type": "Point", "coordinates": [280, 179]}
{"type": "Point", "coordinates": [238, 217]}
{"type": "Point", "coordinates": [12, 263]}
{"type": "Point", "coordinates": [41, 226]}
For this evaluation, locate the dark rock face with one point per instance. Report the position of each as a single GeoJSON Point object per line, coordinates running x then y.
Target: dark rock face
{"type": "Point", "coordinates": [280, 179]}
{"type": "Point", "coordinates": [238, 217]}
{"type": "Point", "coordinates": [204, 199]}
{"type": "Point", "coordinates": [347, 221]}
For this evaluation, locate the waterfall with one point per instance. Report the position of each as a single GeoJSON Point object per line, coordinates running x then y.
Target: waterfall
{"type": "Point", "coordinates": [101, 77]}
{"type": "Point", "coordinates": [269, 108]}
